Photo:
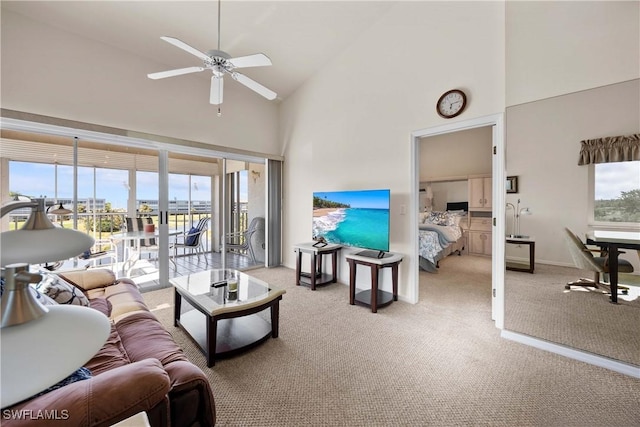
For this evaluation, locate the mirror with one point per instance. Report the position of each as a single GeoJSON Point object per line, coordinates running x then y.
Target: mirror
{"type": "Point", "coordinates": [542, 146]}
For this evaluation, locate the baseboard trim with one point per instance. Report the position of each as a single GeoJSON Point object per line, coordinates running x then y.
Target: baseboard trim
{"type": "Point", "coordinates": [572, 353]}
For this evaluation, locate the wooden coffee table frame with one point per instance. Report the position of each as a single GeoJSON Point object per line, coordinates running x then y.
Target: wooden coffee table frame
{"type": "Point", "coordinates": [243, 329]}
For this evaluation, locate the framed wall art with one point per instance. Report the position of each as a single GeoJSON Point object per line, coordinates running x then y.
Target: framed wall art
{"type": "Point", "coordinates": [512, 184]}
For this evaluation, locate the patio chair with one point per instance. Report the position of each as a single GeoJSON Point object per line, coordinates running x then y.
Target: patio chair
{"type": "Point", "coordinates": [192, 240]}
{"type": "Point", "coordinates": [145, 245]}
{"type": "Point", "coordinates": [241, 240]}
{"type": "Point", "coordinates": [584, 259]}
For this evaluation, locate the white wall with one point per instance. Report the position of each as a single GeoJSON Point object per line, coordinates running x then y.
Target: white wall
{"type": "Point", "coordinates": [566, 62]}
{"type": "Point", "coordinates": [460, 153]}
{"type": "Point", "coordinates": [48, 71]}
{"type": "Point", "coordinates": [454, 155]}
{"type": "Point", "coordinates": [543, 149]}
{"type": "Point", "coordinates": [350, 126]}
{"type": "Point", "coordinates": [559, 47]}
{"type": "Point", "coordinates": [450, 191]}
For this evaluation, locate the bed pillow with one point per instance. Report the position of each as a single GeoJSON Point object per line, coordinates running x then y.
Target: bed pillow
{"type": "Point", "coordinates": [422, 218]}
{"type": "Point", "coordinates": [61, 291]}
{"type": "Point", "coordinates": [454, 219]}
{"type": "Point", "coordinates": [438, 218]}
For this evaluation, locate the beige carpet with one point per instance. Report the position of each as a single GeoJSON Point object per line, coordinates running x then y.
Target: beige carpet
{"type": "Point", "coordinates": [539, 305]}
{"type": "Point", "coordinates": [440, 363]}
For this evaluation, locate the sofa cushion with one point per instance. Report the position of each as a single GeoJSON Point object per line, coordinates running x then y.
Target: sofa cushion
{"type": "Point", "coordinates": [102, 400]}
{"type": "Point", "coordinates": [144, 337]}
{"type": "Point", "coordinates": [61, 291]}
{"type": "Point", "coordinates": [125, 299]}
{"type": "Point", "coordinates": [102, 305]}
{"type": "Point", "coordinates": [110, 356]}
{"type": "Point", "coordinates": [89, 279]}
{"type": "Point", "coordinates": [123, 296]}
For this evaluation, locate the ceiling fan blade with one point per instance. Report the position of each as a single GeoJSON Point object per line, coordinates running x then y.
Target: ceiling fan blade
{"type": "Point", "coordinates": [182, 45]}
{"type": "Point", "coordinates": [255, 86]}
{"type": "Point", "coordinates": [171, 73]}
{"type": "Point", "coordinates": [256, 60]}
{"type": "Point", "coordinates": [217, 84]}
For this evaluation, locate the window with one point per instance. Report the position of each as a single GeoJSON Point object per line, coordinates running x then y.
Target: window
{"type": "Point", "coordinates": [617, 192]}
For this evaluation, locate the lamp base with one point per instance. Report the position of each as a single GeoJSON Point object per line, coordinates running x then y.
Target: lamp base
{"type": "Point", "coordinates": [18, 304]}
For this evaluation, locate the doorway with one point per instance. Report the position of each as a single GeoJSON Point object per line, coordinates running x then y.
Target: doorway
{"type": "Point", "coordinates": [497, 203]}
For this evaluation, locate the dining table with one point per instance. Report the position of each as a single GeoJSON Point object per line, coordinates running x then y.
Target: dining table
{"type": "Point", "coordinates": [137, 237]}
{"type": "Point", "coordinates": [612, 242]}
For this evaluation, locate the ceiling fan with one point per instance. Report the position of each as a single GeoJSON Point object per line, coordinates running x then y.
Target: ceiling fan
{"type": "Point", "coordinates": [220, 63]}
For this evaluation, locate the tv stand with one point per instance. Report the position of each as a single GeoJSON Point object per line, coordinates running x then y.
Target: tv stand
{"type": "Point", "coordinates": [374, 297]}
{"type": "Point", "coordinates": [315, 276]}
{"type": "Point", "coordinates": [373, 254]}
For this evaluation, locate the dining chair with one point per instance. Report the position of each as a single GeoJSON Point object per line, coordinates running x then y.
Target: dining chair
{"type": "Point", "coordinates": [583, 259]}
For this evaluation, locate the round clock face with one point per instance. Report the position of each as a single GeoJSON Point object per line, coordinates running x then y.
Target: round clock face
{"type": "Point", "coordinates": [451, 103]}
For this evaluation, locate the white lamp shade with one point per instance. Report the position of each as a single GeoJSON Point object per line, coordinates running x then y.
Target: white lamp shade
{"type": "Point", "coordinates": [40, 353]}
{"type": "Point", "coordinates": [38, 246]}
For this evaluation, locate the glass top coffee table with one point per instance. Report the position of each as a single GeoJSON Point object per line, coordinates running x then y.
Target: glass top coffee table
{"type": "Point", "coordinates": [226, 316]}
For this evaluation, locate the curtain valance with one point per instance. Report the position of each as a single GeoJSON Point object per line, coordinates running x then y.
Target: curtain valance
{"type": "Point", "coordinates": [610, 149]}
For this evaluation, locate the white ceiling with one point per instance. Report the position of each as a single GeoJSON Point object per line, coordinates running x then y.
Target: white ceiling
{"type": "Point", "coordinates": [300, 37]}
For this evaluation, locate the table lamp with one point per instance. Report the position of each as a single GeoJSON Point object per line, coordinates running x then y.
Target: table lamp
{"type": "Point", "coordinates": [30, 332]}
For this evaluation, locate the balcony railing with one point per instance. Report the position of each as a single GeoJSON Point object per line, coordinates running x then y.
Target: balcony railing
{"type": "Point", "coordinates": [101, 225]}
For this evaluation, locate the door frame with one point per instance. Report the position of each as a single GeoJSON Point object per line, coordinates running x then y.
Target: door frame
{"type": "Point", "coordinates": [496, 121]}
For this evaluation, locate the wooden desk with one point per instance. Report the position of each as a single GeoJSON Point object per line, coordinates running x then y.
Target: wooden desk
{"type": "Point", "coordinates": [315, 276]}
{"type": "Point", "coordinates": [612, 241]}
{"type": "Point", "coordinates": [532, 254]}
{"type": "Point", "coordinates": [373, 297]}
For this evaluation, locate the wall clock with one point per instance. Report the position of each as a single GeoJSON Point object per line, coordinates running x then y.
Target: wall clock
{"type": "Point", "coordinates": [451, 104]}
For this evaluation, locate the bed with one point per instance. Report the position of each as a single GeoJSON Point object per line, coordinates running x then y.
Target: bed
{"type": "Point", "coordinates": [440, 235]}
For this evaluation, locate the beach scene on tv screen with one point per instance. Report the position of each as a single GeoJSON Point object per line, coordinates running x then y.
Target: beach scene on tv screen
{"type": "Point", "coordinates": [353, 218]}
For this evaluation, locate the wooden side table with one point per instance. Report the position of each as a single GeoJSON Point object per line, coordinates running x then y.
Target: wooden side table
{"type": "Point", "coordinates": [532, 255]}
{"type": "Point", "coordinates": [315, 276]}
{"type": "Point", "coordinates": [374, 297]}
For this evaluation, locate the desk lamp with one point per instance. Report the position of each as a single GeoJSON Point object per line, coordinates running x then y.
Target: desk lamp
{"type": "Point", "coordinates": [517, 213]}
{"type": "Point", "coordinates": [65, 334]}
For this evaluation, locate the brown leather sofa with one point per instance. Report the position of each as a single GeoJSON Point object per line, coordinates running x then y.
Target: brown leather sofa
{"type": "Point", "coordinates": [140, 368]}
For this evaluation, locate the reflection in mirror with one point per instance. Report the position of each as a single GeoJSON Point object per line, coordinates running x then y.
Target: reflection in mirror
{"type": "Point", "coordinates": [542, 149]}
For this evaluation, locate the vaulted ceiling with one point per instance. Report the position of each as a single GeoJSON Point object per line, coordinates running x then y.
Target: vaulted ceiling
{"type": "Point", "coordinates": [300, 37]}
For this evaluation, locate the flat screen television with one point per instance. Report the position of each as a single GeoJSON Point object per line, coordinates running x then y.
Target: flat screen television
{"type": "Point", "coordinates": [358, 218]}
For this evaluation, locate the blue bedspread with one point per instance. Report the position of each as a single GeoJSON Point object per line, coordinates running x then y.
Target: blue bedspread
{"type": "Point", "coordinates": [433, 239]}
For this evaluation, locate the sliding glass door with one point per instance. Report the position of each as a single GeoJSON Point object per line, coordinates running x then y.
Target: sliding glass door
{"type": "Point", "coordinates": [105, 183]}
